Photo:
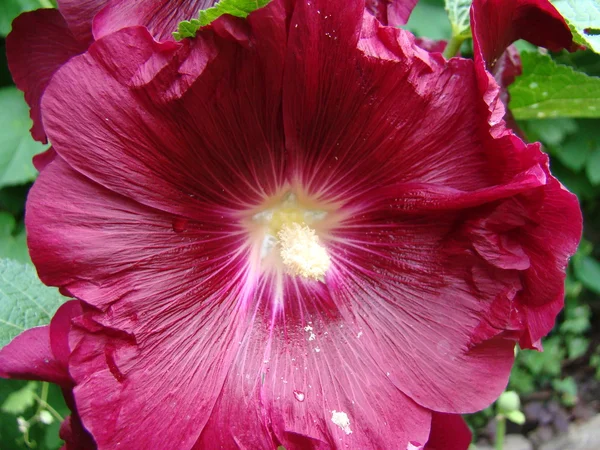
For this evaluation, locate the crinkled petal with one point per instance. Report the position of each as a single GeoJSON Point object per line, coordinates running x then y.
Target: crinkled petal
{"type": "Point", "coordinates": [391, 12]}
{"type": "Point", "coordinates": [161, 17]}
{"type": "Point", "coordinates": [448, 432]}
{"type": "Point", "coordinates": [550, 242]}
{"type": "Point", "coordinates": [79, 15]}
{"type": "Point", "coordinates": [25, 44]}
{"type": "Point", "coordinates": [547, 243]}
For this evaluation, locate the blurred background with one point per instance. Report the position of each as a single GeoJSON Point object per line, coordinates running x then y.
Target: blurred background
{"type": "Point", "coordinates": [559, 389]}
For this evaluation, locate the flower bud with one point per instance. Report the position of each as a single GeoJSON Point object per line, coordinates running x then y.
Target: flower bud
{"type": "Point", "coordinates": [508, 401]}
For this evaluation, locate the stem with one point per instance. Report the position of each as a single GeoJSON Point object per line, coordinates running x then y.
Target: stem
{"type": "Point", "coordinates": [500, 431]}
{"type": "Point", "coordinates": [46, 4]}
{"type": "Point", "coordinates": [43, 403]}
{"type": "Point", "coordinates": [453, 46]}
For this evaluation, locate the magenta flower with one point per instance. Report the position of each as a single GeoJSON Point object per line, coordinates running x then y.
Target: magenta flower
{"type": "Point", "coordinates": [300, 229]}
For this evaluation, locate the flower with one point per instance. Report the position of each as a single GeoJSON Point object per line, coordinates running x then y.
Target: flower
{"type": "Point", "coordinates": [300, 229]}
{"type": "Point", "coordinates": [51, 37]}
{"type": "Point", "coordinates": [42, 353]}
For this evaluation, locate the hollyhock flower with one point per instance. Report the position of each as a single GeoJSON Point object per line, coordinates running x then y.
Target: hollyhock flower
{"type": "Point", "coordinates": [61, 34]}
{"type": "Point", "coordinates": [289, 229]}
{"type": "Point", "coordinates": [42, 354]}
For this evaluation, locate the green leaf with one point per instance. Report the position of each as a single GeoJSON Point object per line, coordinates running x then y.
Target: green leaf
{"type": "Point", "coordinates": [587, 270]}
{"type": "Point", "coordinates": [13, 244]}
{"type": "Point", "coordinates": [576, 317]}
{"type": "Point", "coordinates": [583, 60]}
{"type": "Point", "coordinates": [577, 346]}
{"type": "Point", "coordinates": [546, 363]}
{"type": "Point", "coordinates": [583, 17]}
{"type": "Point", "coordinates": [9, 9]}
{"type": "Point", "coordinates": [551, 131]}
{"type": "Point", "coordinates": [12, 199]}
{"type": "Point", "coordinates": [24, 301]}
{"type": "Point", "coordinates": [237, 8]}
{"type": "Point", "coordinates": [547, 89]}
{"type": "Point", "coordinates": [578, 148]}
{"type": "Point", "coordinates": [17, 147]}
{"type": "Point", "coordinates": [459, 15]}
{"type": "Point", "coordinates": [18, 401]}
{"type": "Point", "coordinates": [592, 168]}
{"type": "Point", "coordinates": [568, 388]}
{"type": "Point", "coordinates": [429, 19]}
{"type": "Point", "coordinates": [575, 182]}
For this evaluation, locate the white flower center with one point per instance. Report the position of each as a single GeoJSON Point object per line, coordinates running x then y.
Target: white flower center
{"type": "Point", "coordinates": [288, 231]}
{"type": "Point", "coordinates": [301, 251]}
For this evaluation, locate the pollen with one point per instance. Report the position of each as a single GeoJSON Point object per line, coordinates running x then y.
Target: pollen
{"type": "Point", "coordinates": [301, 251]}
{"type": "Point", "coordinates": [341, 419]}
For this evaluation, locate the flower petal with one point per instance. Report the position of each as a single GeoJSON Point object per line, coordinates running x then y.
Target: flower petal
{"type": "Point", "coordinates": [418, 288]}
{"type": "Point", "coordinates": [316, 383]}
{"type": "Point", "coordinates": [161, 17]}
{"type": "Point", "coordinates": [75, 436]}
{"type": "Point", "coordinates": [24, 46]}
{"type": "Point", "coordinates": [42, 353]}
{"type": "Point", "coordinates": [29, 356]}
{"type": "Point", "coordinates": [380, 111]}
{"type": "Point", "coordinates": [391, 12]}
{"type": "Point", "coordinates": [79, 15]}
{"type": "Point", "coordinates": [195, 353]}
{"type": "Point", "coordinates": [498, 23]}
{"type": "Point", "coordinates": [134, 117]}
{"type": "Point", "coordinates": [60, 326]}
{"type": "Point", "coordinates": [41, 160]}
{"type": "Point", "coordinates": [448, 432]}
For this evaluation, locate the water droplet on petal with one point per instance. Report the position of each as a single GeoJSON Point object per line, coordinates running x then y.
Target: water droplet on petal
{"type": "Point", "coordinates": [299, 396]}
{"type": "Point", "coordinates": [179, 224]}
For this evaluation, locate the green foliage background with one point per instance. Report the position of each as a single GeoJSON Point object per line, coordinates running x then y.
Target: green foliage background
{"type": "Point", "coordinates": [557, 101]}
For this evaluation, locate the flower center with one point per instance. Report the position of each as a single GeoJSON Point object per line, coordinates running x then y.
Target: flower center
{"type": "Point", "coordinates": [288, 232]}
{"type": "Point", "coordinates": [301, 251]}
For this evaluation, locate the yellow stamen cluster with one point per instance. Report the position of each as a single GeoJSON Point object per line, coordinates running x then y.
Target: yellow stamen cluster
{"type": "Point", "coordinates": [301, 251]}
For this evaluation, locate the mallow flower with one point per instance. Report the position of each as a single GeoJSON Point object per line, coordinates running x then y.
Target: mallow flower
{"type": "Point", "coordinates": [299, 229]}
